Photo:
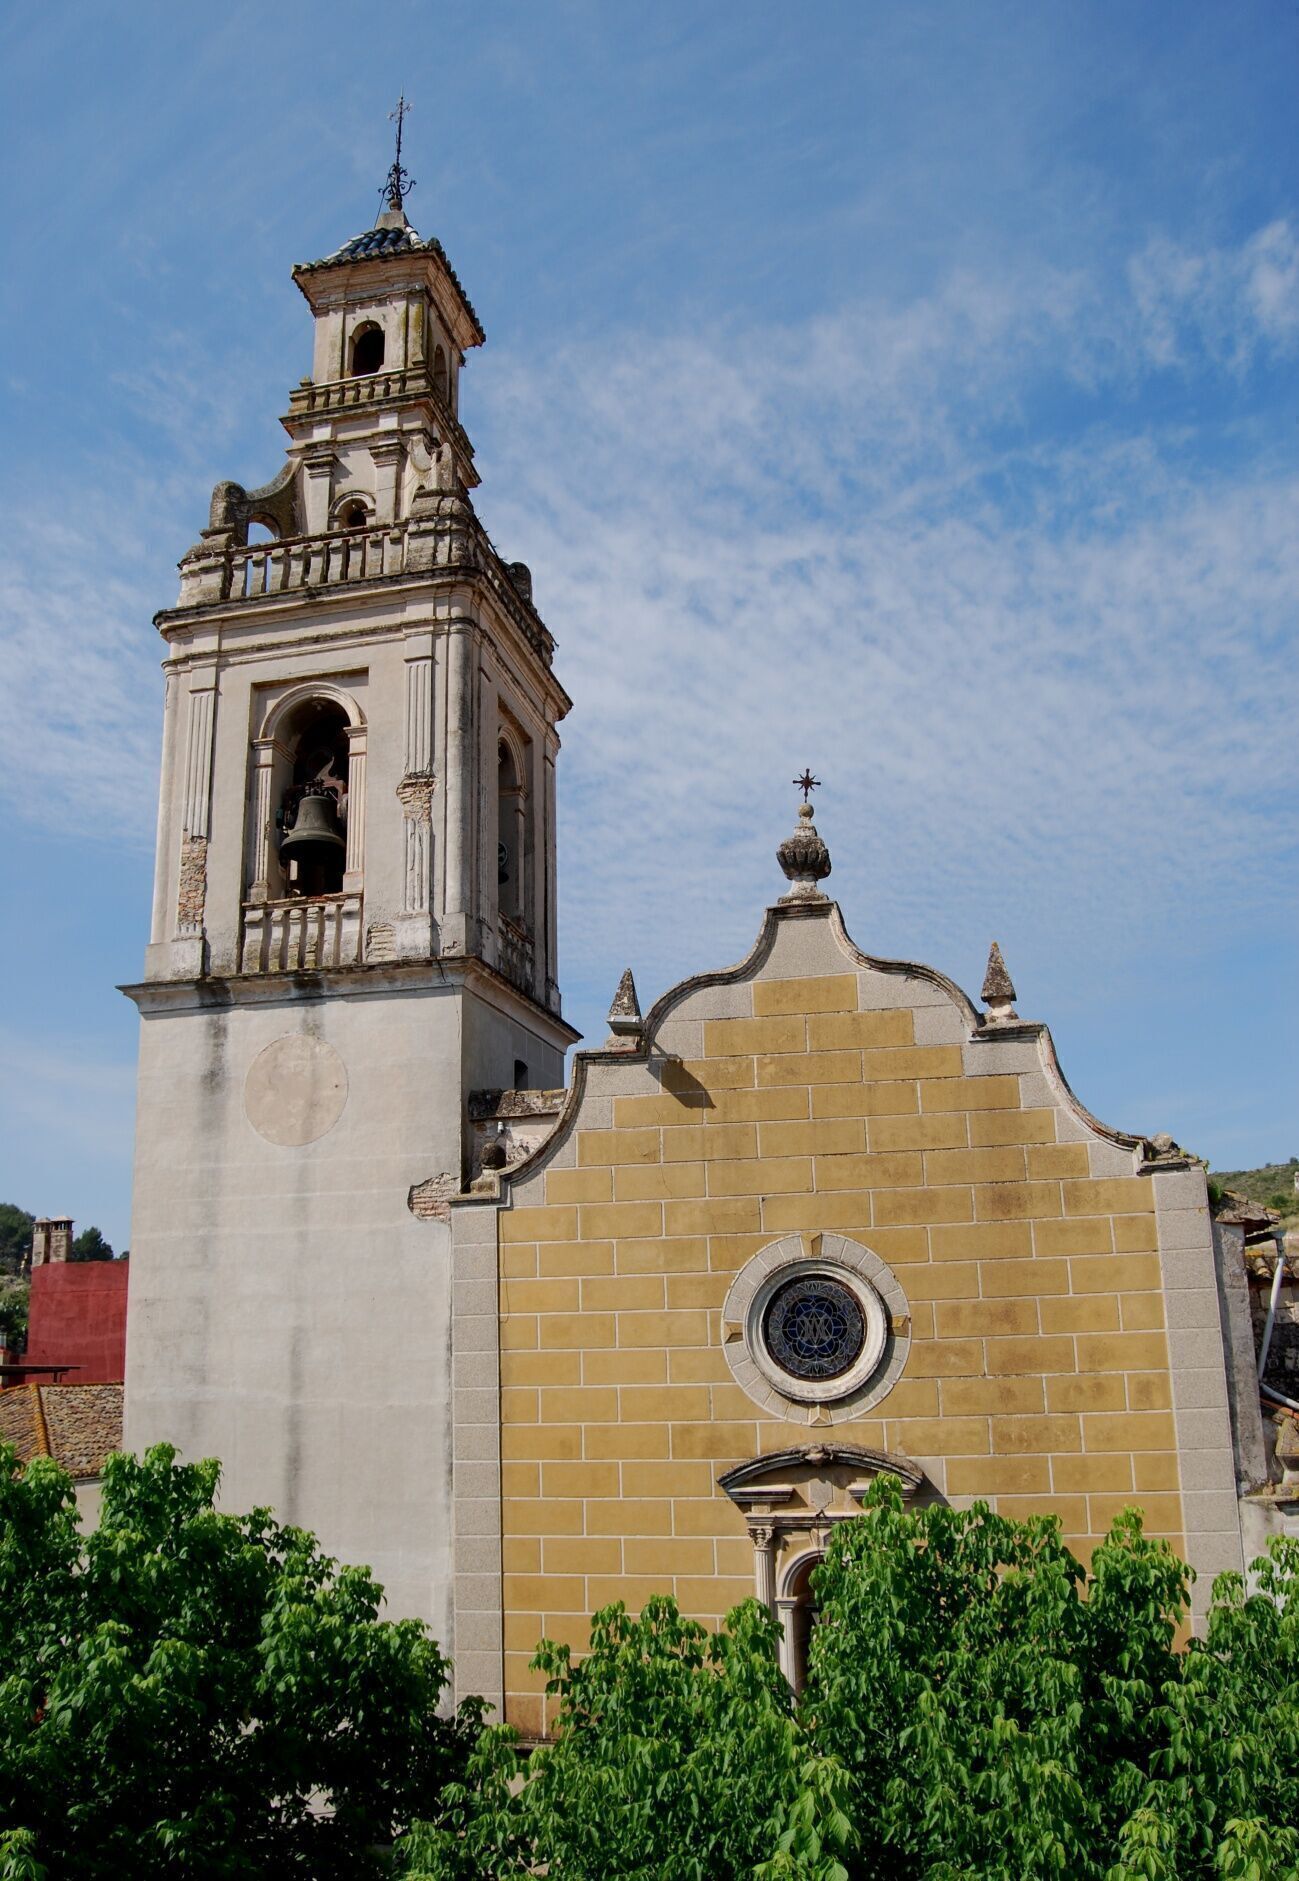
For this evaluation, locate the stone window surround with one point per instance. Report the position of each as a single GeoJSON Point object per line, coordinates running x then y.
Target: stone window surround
{"type": "Point", "coordinates": [884, 1308]}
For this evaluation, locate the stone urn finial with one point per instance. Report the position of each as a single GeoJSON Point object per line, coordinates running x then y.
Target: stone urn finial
{"type": "Point", "coordinates": [804, 859]}
{"type": "Point", "coordinates": [998, 990]}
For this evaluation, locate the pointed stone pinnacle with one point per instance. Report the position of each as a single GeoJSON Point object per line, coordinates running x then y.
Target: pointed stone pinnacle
{"type": "Point", "coordinates": [624, 1014]}
{"type": "Point", "coordinates": [998, 992]}
{"type": "Point", "coordinates": [996, 981]}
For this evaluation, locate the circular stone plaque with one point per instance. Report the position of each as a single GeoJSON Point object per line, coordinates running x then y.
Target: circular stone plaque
{"type": "Point", "coordinates": [295, 1090]}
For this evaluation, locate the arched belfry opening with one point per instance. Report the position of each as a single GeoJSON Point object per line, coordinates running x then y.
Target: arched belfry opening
{"type": "Point", "coordinates": [312, 813]}
{"type": "Point", "coordinates": [510, 841]}
{"type": "Point", "coordinates": [367, 350]}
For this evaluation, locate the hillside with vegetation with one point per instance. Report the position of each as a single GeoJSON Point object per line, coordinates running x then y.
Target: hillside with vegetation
{"type": "Point", "coordinates": [1271, 1184]}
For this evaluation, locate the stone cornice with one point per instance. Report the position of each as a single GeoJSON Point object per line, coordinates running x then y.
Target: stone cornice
{"type": "Point", "coordinates": [445, 973]}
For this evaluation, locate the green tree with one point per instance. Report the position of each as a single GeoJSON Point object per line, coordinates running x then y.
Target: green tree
{"type": "Point", "coordinates": [184, 1692]}
{"type": "Point", "coordinates": [979, 1708]}
{"type": "Point", "coordinates": [90, 1245]}
{"type": "Point", "coordinates": [676, 1757]}
{"type": "Point", "coordinates": [14, 1297]}
{"type": "Point", "coordinates": [15, 1237]}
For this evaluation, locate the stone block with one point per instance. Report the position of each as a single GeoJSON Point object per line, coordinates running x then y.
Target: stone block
{"type": "Point", "coordinates": [942, 1131]}
{"type": "Point", "coordinates": [1103, 1475]}
{"type": "Point", "coordinates": [1034, 1436]}
{"type": "Point", "coordinates": [900, 1206]}
{"type": "Point", "coordinates": [1115, 1273]}
{"type": "Point", "coordinates": [1007, 1125]}
{"type": "Point", "coordinates": [972, 1094]}
{"type": "Point", "coordinates": [741, 1038]}
{"type": "Point", "coordinates": [655, 1182]}
{"type": "Point", "coordinates": [575, 1257]}
{"type": "Point", "coordinates": [1034, 1278]}
{"type": "Point", "coordinates": [1016, 1201]}
{"type": "Point", "coordinates": [1049, 1162]}
{"type": "Point", "coordinates": [581, 1185]}
{"type": "Point", "coordinates": [847, 1031]}
{"type": "Point", "coordinates": [1104, 1390]}
{"type": "Point", "coordinates": [1025, 1353]}
{"type": "Point", "coordinates": [982, 1241]}
{"type": "Point", "coordinates": [707, 1143]}
{"type": "Point", "coordinates": [1143, 1312]}
{"type": "Point", "coordinates": [986, 1397]}
{"type": "Point", "coordinates": [1150, 1391]}
{"type": "Point", "coordinates": [1128, 1430]}
{"type": "Point", "coordinates": [538, 1224]}
{"type": "Point", "coordinates": [835, 992]}
{"type": "Point", "coordinates": [829, 1136]}
{"type": "Point", "coordinates": [621, 1367]}
{"type": "Point", "coordinates": [772, 1175]}
{"type": "Point", "coordinates": [945, 1358]}
{"type": "Point", "coordinates": [899, 1170]}
{"type": "Point", "coordinates": [998, 1476]}
{"type": "Point", "coordinates": [677, 1253]}
{"type": "Point", "coordinates": [974, 1319]}
{"type": "Point", "coordinates": [809, 1068]}
{"type": "Point", "coordinates": [1005, 1164]}
{"type": "Point", "coordinates": [1095, 1312]}
{"type": "Point", "coordinates": [1116, 1196]}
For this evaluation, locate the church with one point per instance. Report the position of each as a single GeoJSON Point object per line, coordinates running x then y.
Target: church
{"type": "Point", "coordinates": [528, 1347]}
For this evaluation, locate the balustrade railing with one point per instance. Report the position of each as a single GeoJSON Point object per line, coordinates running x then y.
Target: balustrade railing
{"type": "Point", "coordinates": [517, 957]}
{"type": "Point", "coordinates": [372, 388]}
{"type": "Point", "coordinates": [300, 935]}
{"type": "Point", "coordinates": [316, 561]}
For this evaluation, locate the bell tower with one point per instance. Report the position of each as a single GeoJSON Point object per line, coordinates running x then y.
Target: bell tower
{"type": "Point", "coordinates": [353, 928]}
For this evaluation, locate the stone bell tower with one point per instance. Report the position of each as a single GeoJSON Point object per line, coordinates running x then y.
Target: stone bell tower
{"type": "Point", "coordinates": [353, 927]}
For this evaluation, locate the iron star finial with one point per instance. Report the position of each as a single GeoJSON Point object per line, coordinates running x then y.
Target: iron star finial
{"type": "Point", "coordinates": [807, 783]}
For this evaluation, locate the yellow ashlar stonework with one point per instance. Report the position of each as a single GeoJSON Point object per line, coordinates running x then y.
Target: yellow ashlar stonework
{"type": "Point", "coordinates": [812, 1092]}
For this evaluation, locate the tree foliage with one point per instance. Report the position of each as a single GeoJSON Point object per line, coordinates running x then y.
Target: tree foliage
{"type": "Point", "coordinates": [90, 1245]}
{"type": "Point", "coordinates": [188, 1692]}
{"type": "Point", "coordinates": [677, 1757]}
{"type": "Point", "coordinates": [978, 1709]}
{"type": "Point", "coordinates": [15, 1237]}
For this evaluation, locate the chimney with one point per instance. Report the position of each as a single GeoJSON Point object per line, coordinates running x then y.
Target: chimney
{"type": "Point", "coordinates": [40, 1241]}
{"type": "Point", "coordinates": [60, 1237]}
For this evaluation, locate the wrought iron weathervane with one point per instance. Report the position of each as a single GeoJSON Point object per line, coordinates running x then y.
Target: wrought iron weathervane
{"type": "Point", "coordinates": [400, 183]}
{"type": "Point", "coordinates": [807, 784]}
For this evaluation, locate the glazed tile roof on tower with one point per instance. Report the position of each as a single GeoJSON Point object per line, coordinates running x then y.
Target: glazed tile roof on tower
{"type": "Point", "coordinates": [380, 244]}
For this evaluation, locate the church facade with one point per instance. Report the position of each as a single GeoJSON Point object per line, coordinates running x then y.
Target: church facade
{"type": "Point", "coordinates": [813, 1218]}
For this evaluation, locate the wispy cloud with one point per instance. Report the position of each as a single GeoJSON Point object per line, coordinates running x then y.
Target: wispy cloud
{"type": "Point", "coordinates": [1039, 647]}
{"type": "Point", "coordinates": [1038, 643]}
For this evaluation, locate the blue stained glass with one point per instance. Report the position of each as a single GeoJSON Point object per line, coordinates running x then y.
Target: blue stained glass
{"type": "Point", "coordinates": [814, 1327]}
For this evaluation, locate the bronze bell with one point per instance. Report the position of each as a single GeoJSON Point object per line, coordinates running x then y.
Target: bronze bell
{"type": "Point", "coordinates": [315, 835]}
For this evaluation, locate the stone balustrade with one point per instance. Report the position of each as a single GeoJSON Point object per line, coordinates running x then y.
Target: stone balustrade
{"type": "Point", "coordinates": [316, 561]}
{"type": "Point", "coordinates": [302, 936]}
{"type": "Point", "coordinates": [375, 388]}
{"type": "Point", "coordinates": [515, 954]}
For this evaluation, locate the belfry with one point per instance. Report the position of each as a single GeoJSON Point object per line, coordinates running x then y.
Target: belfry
{"type": "Point", "coordinates": [353, 926]}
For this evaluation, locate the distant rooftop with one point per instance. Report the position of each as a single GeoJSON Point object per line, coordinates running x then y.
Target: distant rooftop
{"type": "Point", "coordinates": [78, 1425]}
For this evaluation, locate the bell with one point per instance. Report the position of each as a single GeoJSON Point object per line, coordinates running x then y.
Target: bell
{"type": "Point", "coordinates": [315, 835]}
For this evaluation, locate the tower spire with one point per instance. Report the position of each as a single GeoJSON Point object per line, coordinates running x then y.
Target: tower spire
{"type": "Point", "coordinates": [400, 183]}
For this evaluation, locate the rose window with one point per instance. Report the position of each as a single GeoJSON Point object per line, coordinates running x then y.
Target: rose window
{"type": "Point", "coordinates": [814, 1327]}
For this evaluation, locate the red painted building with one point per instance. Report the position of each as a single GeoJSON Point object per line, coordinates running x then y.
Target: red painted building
{"type": "Point", "coordinates": [77, 1318]}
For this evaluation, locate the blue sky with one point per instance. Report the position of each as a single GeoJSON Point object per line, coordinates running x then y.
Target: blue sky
{"type": "Point", "coordinates": [905, 389]}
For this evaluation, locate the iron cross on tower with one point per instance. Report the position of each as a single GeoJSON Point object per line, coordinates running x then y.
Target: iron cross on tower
{"type": "Point", "coordinates": [807, 784]}
{"type": "Point", "coordinates": [400, 183]}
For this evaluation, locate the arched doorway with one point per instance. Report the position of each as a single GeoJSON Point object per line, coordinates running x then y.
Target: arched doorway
{"type": "Point", "coordinates": [796, 1611]}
